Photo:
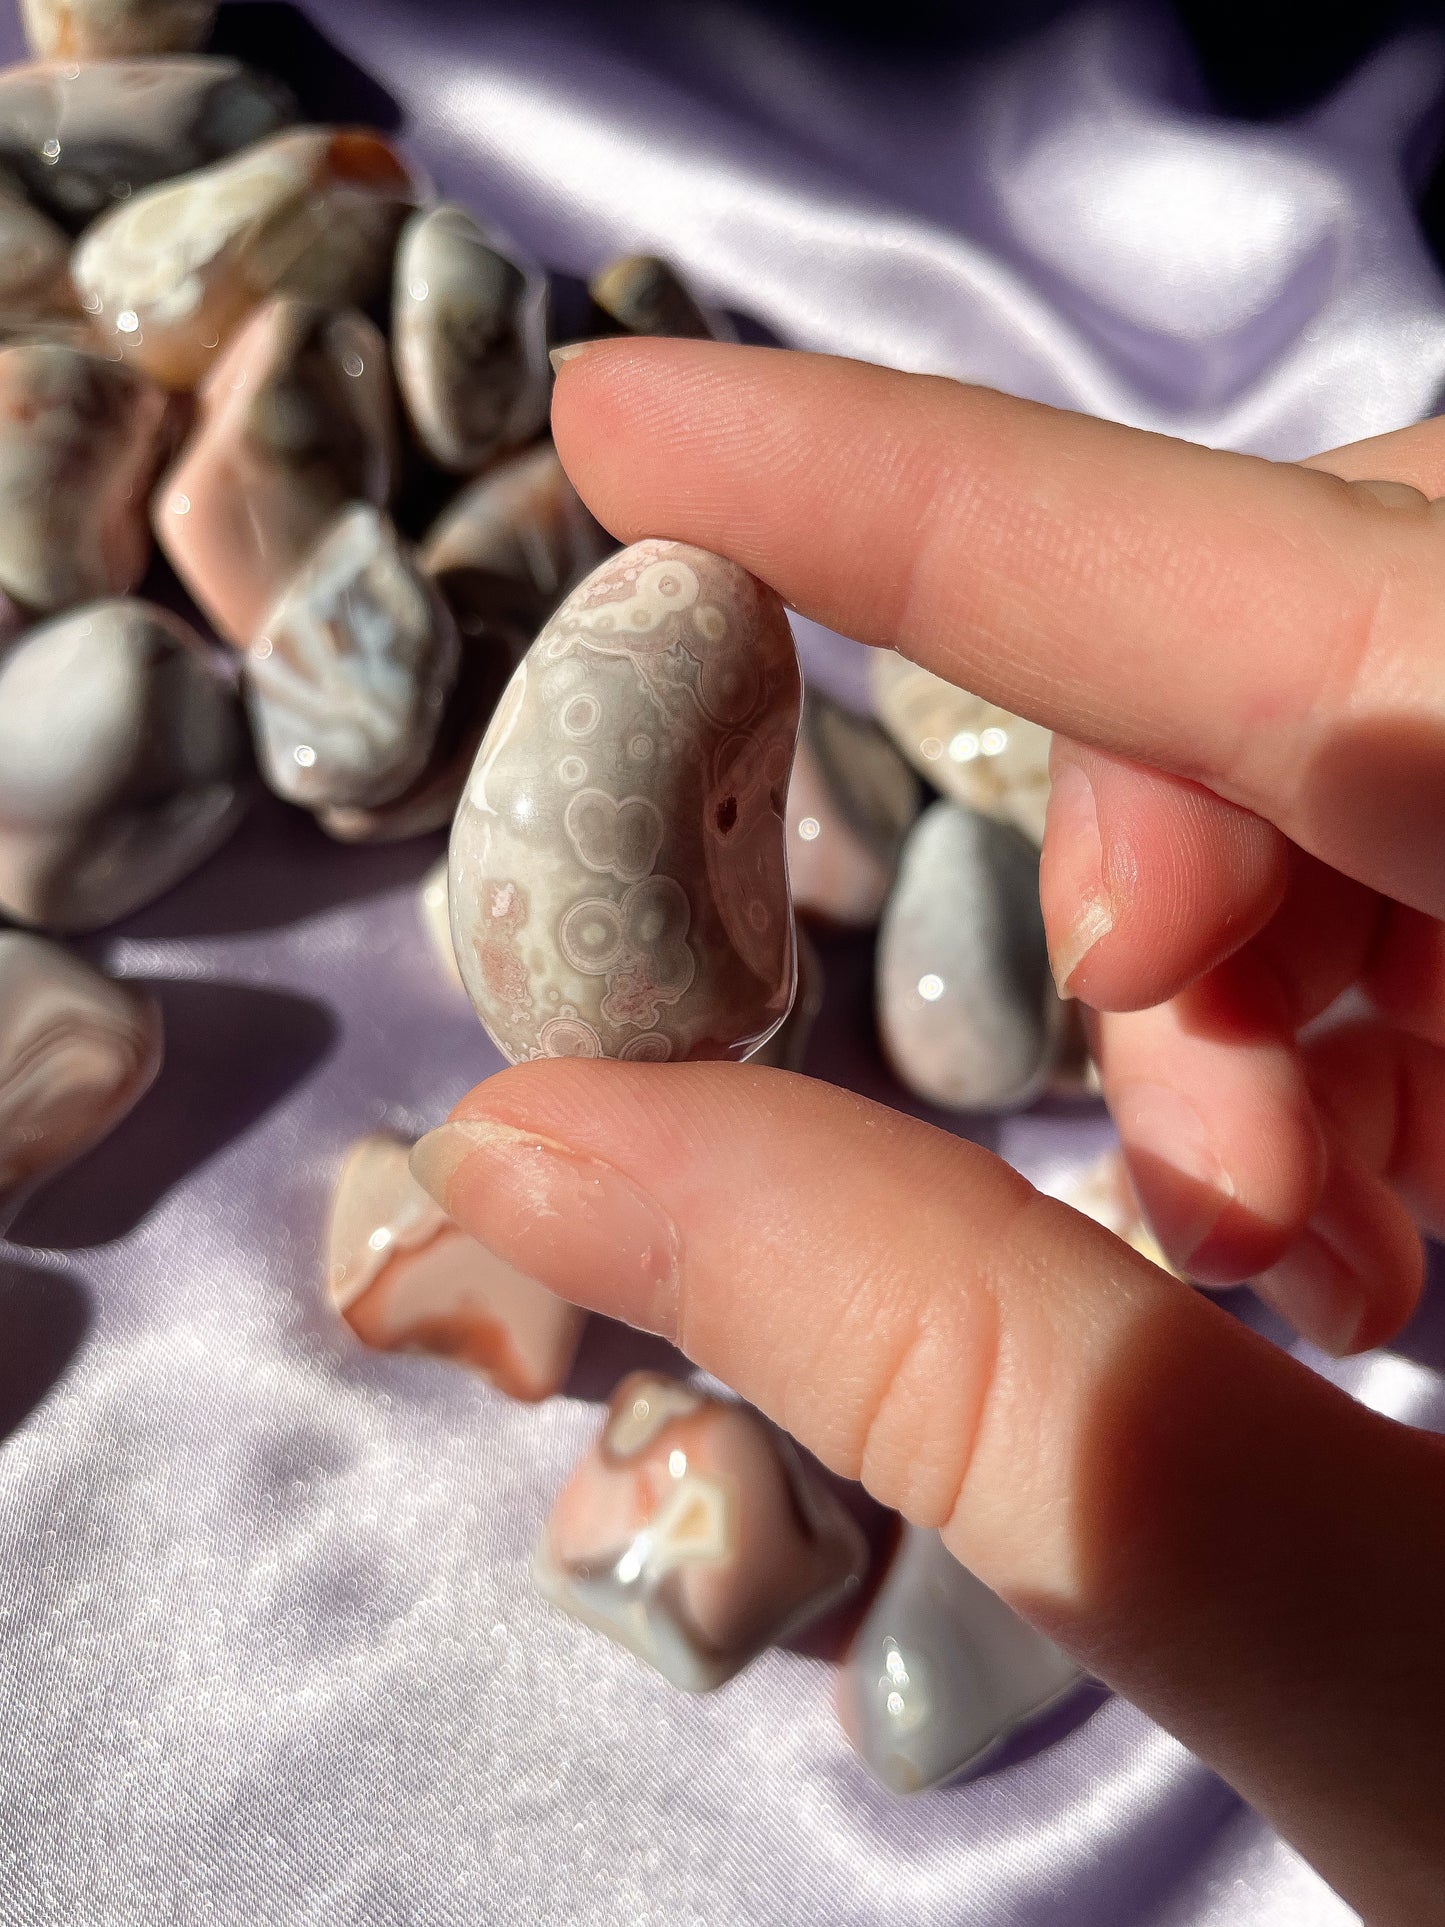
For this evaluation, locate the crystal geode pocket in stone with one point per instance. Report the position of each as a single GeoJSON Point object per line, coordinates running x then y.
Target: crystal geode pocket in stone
{"type": "Point", "coordinates": [469, 334]}
{"type": "Point", "coordinates": [114, 29]}
{"type": "Point", "coordinates": [649, 297]}
{"type": "Point", "coordinates": [80, 439]}
{"type": "Point", "coordinates": [967, 1008]}
{"type": "Point", "coordinates": [84, 138]}
{"type": "Point", "coordinates": [851, 802]}
{"type": "Point", "coordinates": [406, 1278]}
{"type": "Point", "coordinates": [171, 275]}
{"type": "Point", "coordinates": [77, 1051]}
{"type": "Point", "coordinates": [618, 872]}
{"type": "Point", "coordinates": [122, 763]}
{"type": "Point", "coordinates": [941, 1672]}
{"type": "Point", "coordinates": [976, 753]}
{"type": "Point", "coordinates": [348, 679]}
{"type": "Point", "coordinates": [694, 1535]}
{"type": "Point", "coordinates": [296, 419]}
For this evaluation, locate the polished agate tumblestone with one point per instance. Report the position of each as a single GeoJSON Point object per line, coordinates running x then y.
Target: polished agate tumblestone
{"type": "Point", "coordinates": [967, 1008]}
{"type": "Point", "coordinates": [77, 1051]}
{"type": "Point", "coordinates": [618, 874]}
{"type": "Point", "coordinates": [405, 1277]}
{"type": "Point", "coordinates": [649, 297]}
{"type": "Point", "coordinates": [85, 137]}
{"type": "Point", "coordinates": [80, 439]}
{"type": "Point", "coordinates": [693, 1535]}
{"type": "Point", "coordinates": [123, 763]}
{"type": "Point", "coordinates": [170, 274]}
{"type": "Point", "coordinates": [347, 681]}
{"type": "Point", "coordinates": [113, 29]}
{"type": "Point", "coordinates": [295, 420]}
{"type": "Point", "coordinates": [941, 1672]}
{"type": "Point", "coordinates": [850, 805]}
{"type": "Point", "coordinates": [469, 334]}
{"type": "Point", "coordinates": [976, 753]}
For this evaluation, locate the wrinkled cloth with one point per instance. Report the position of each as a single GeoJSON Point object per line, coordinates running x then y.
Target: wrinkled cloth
{"type": "Point", "coordinates": [268, 1646]}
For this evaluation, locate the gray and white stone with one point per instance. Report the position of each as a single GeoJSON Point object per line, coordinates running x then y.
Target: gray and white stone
{"type": "Point", "coordinates": [975, 752]}
{"type": "Point", "coordinates": [648, 296]}
{"type": "Point", "coordinates": [77, 1052]}
{"type": "Point", "coordinates": [122, 763]}
{"type": "Point", "coordinates": [86, 138]}
{"type": "Point", "coordinates": [851, 802]}
{"type": "Point", "coordinates": [941, 1672]}
{"type": "Point", "coordinates": [967, 1009]}
{"type": "Point", "coordinates": [348, 678]}
{"type": "Point", "coordinates": [618, 874]}
{"type": "Point", "coordinates": [469, 338]}
{"type": "Point", "coordinates": [80, 440]}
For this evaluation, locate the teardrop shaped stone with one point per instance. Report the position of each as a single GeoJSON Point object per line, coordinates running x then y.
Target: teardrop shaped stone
{"type": "Point", "coordinates": [84, 138]}
{"type": "Point", "coordinates": [941, 1672]}
{"type": "Point", "coordinates": [347, 681]}
{"type": "Point", "coordinates": [694, 1535]}
{"type": "Point", "coordinates": [511, 545]}
{"type": "Point", "coordinates": [967, 1008]}
{"type": "Point", "coordinates": [114, 29]}
{"type": "Point", "coordinates": [172, 274]}
{"type": "Point", "coordinates": [972, 750]}
{"type": "Point", "coordinates": [77, 1051]}
{"type": "Point", "coordinates": [469, 333]}
{"type": "Point", "coordinates": [618, 874]}
{"type": "Point", "coordinates": [80, 439]}
{"type": "Point", "coordinates": [851, 802]}
{"type": "Point", "coordinates": [122, 760]}
{"type": "Point", "coordinates": [295, 420]}
{"type": "Point", "coordinates": [649, 297]}
{"type": "Point", "coordinates": [405, 1277]}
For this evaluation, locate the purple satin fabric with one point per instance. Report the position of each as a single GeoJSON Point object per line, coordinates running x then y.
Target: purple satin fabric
{"type": "Point", "coordinates": [268, 1648]}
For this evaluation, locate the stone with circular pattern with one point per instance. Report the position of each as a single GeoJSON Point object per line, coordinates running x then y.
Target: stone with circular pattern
{"type": "Point", "coordinates": [618, 873]}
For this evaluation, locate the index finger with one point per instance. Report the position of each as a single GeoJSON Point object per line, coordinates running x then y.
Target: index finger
{"type": "Point", "coordinates": [1263, 628]}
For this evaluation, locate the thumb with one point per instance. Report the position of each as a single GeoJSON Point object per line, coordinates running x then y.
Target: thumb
{"type": "Point", "coordinates": [1226, 1538]}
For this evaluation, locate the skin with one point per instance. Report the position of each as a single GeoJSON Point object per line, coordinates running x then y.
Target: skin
{"type": "Point", "coordinates": [1242, 662]}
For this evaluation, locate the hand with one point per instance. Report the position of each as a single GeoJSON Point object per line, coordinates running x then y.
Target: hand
{"type": "Point", "coordinates": [1243, 662]}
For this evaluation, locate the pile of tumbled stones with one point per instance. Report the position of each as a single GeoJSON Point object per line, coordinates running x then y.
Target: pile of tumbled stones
{"type": "Point", "coordinates": [261, 346]}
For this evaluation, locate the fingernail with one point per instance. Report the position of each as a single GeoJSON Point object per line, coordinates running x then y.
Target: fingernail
{"type": "Point", "coordinates": [1316, 1292]}
{"type": "Point", "coordinates": [1182, 1184]}
{"type": "Point", "coordinates": [572, 1222]}
{"type": "Point", "coordinates": [1075, 874]}
{"type": "Point", "coordinates": [569, 351]}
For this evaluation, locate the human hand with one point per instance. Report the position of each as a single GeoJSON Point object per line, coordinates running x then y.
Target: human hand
{"type": "Point", "coordinates": [1241, 660]}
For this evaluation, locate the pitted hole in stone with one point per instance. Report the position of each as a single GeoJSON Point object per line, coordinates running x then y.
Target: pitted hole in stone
{"type": "Point", "coordinates": [726, 814]}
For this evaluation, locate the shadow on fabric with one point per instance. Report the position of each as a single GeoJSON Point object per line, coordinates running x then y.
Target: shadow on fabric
{"type": "Point", "coordinates": [44, 1318]}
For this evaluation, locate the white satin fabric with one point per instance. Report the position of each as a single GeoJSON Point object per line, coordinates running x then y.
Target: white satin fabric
{"type": "Point", "coordinates": [268, 1649]}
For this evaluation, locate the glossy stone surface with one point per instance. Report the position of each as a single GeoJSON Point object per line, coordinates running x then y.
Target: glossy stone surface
{"type": "Point", "coordinates": [436, 920]}
{"type": "Point", "coordinates": [973, 751]}
{"type": "Point", "coordinates": [469, 333]}
{"type": "Point", "coordinates": [941, 1672]}
{"type": "Point", "coordinates": [1105, 1192]}
{"type": "Point", "coordinates": [511, 545]}
{"type": "Point", "coordinates": [77, 1051]}
{"type": "Point", "coordinates": [171, 275]}
{"type": "Point", "coordinates": [122, 763]}
{"type": "Point", "coordinates": [967, 1009]}
{"type": "Point", "coordinates": [35, 282]}
{"type": "Point", "coordinates": [618, 878]}
{"type": "Point", "coordinates": [649, 297]}
{"type": "Point", "coordinates": [694, 1536]}
{"type": "Point", "coordinates": [347, 680]}
{"type": "Point", "coordinates": [86, 138]}
{"type": "Point", "coordinates": [295, 420]}
{"type": "Point", "coordinates": [851, 802]}
{"type": "Point", "coordinates": [114, 29]}
{"type": "Point", "coordinates": [407, 1279]}
{"type": "Point", "coordinates": [80, 439]}
{"type": "Point", "coordinates": [786, 1049]}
